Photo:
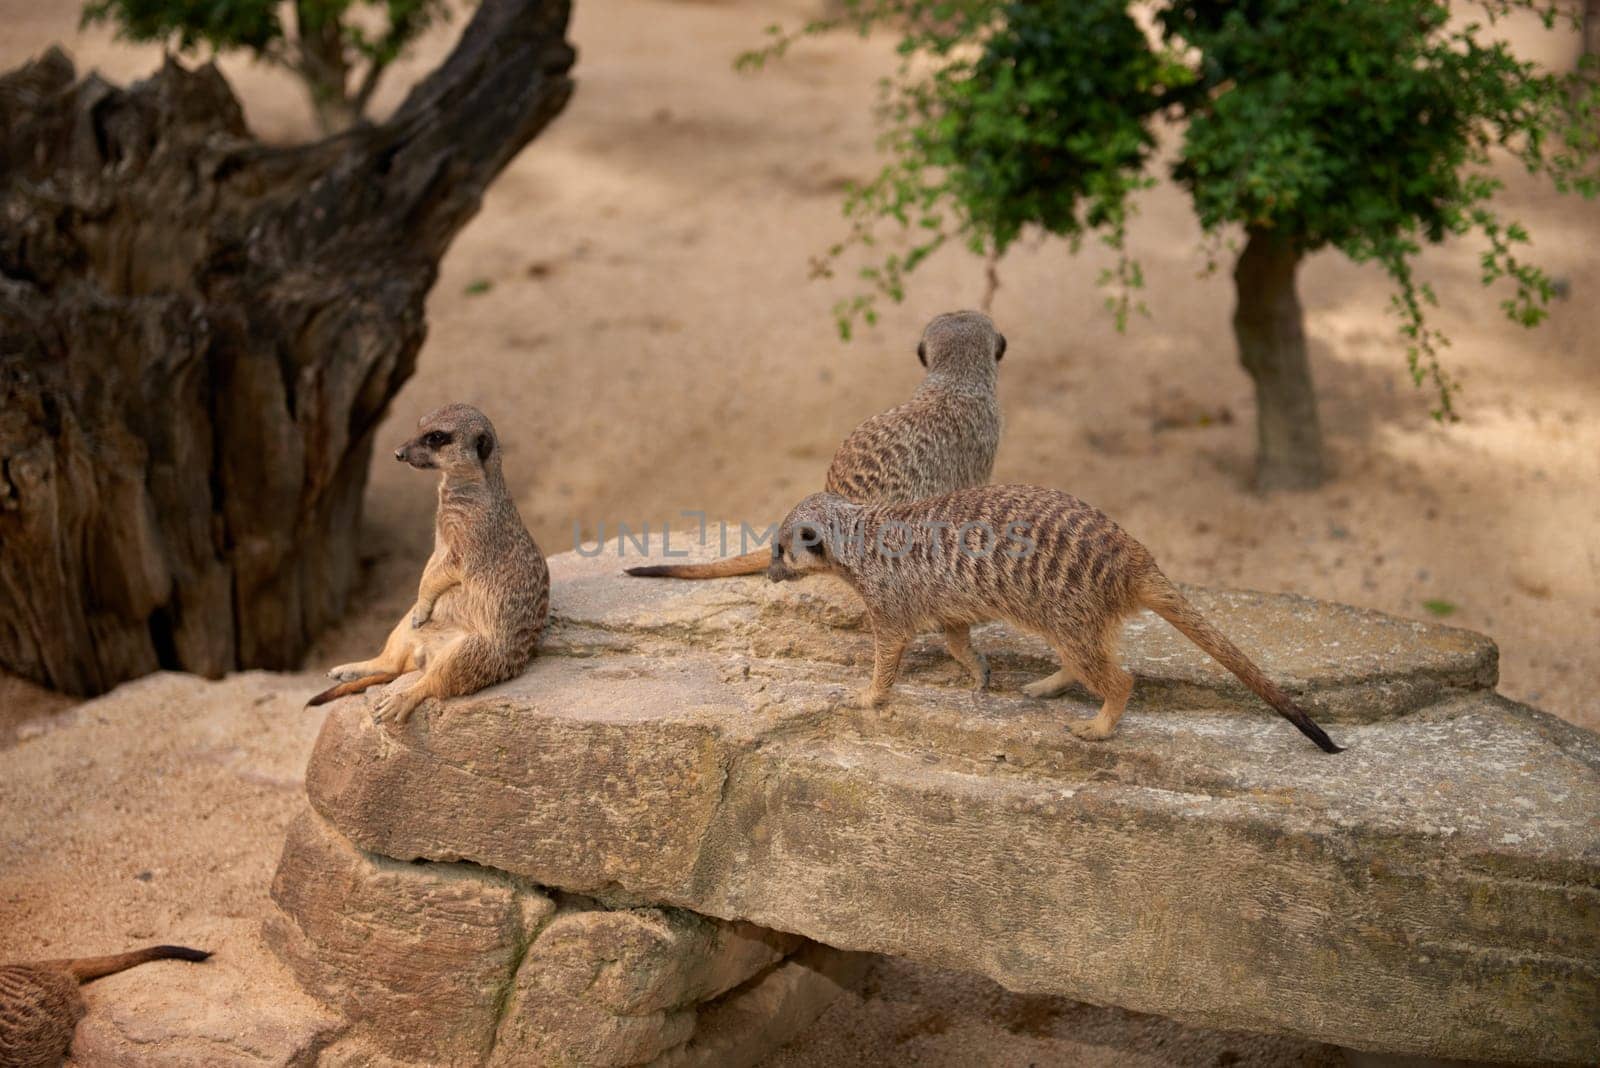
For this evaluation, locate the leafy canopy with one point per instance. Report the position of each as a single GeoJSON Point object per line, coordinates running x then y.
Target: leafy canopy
{"type": "Point", "coordinates": [1365, 125]}
{"type": "Point", "coordinates": [257, 25]}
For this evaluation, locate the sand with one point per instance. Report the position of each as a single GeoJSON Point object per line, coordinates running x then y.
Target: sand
{"type": "Point", "coordinates": [650, 342]}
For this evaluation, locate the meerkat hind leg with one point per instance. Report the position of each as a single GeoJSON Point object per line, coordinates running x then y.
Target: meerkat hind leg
{"type": "Point", "coordinates": [959, 641]}
{"type": "Point", "coordinates": [465, 665]}
{"type": "Point", "coordinates": [397, 658]}
{"type": "Point", "coordinates": [1112, 685]}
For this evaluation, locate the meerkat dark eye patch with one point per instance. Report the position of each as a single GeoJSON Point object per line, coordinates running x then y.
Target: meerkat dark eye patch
{"type": "Point", "coordinates": [922, 353]}
{"type": "Point", "coordinates": [1000, 347]}
{"type": "Point", "coordinates": [485, 446]}
{"type": "Point", "coordinates": [436, 439]}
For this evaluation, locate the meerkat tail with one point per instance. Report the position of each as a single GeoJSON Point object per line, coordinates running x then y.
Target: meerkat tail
{"type": "Point", "coordinates": [748, 564]}
{"type": "Point", "coordinates": [87, 969]}
{"type": "Point", "coordinates": [1162, 597]}
{"type": "Point", "coordinates": [345, 689]}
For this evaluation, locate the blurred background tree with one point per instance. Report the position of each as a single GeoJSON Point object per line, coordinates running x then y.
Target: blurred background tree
{"type": "Point", "coordinates": [338, 49]}
{"type": "Point", "coordinates": [1365, 126]}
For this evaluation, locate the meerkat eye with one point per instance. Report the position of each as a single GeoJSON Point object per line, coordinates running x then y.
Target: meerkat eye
{"type": "Point", "coordinates": [1000, 347]}
{"type": "Point", "coordinates": [922, 353]}
{"type": "Point", "coordinates": [436, 439]}
{"type": "Point", "coordinates": [485, 446]}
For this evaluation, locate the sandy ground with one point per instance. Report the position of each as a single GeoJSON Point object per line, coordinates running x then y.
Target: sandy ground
{"type": "Point", "coordinates": [649, 342]}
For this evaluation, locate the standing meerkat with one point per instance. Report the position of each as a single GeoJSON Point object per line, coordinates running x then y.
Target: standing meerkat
{"type": "Point", "coordinates": [40, 1004]}
{"type": "Point", "coordinates": [485, 592]}
{"type": "Point", "coordinates": [1036, 558]}
{"type": "Point", "coordinates": [942, 439]}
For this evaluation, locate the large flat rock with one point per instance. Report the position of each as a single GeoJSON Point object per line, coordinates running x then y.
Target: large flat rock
{"type": "Point", "coordinates": [1435, 890]}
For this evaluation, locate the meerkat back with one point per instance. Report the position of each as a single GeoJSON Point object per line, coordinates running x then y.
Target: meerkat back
{"type": "Point", "coordinates": [39, 1010]}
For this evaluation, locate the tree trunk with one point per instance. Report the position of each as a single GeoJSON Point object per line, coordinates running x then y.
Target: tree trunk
{"type": "Point", "coordinates": [323, 69]}
{"type": "Point", "coordinates": [199, 335]}
{"type": "Point", "coordinates": [1270, 329]}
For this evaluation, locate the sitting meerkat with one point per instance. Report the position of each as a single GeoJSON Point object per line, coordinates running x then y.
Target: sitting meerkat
{"type": "Point", "coordinates": [485, 592]}
{"type": "Point", "coordinates": [1036, 558]}
{"type": "Point", "coordinates": [40, 1004]}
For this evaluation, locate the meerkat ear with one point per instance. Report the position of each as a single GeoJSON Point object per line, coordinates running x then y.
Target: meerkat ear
{"type": "Point", "coordinates": [485, 446]}
{"type": "Point", "coordinates": [922, 353]}
{"type": "Point", "coordinates": [1000, 347]}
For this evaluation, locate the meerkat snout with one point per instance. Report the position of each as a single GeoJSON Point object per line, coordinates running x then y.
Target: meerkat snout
{"type": "Point", "coordinates": [455, 438]}
{"type": "Point", "coordinates": [802, 545]}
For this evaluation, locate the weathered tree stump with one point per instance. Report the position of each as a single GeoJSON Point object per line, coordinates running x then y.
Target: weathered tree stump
{"type": "Point", "coordinates": [199, 335]}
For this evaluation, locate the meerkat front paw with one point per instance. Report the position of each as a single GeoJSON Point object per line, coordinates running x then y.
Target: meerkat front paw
{"type": "Point", "coordinates": [348, 672]}
{"type": "Point", "coordinates": [421, 615]}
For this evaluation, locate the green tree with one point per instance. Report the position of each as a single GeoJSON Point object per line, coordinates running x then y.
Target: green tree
{"type": "Point", "coordinates": [336, 58]}
{"type": "Point", "coordinates": [1363, 125]}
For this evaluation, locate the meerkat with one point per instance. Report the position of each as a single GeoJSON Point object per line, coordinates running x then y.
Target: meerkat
{"type": "Point", "coordinates": [942, 439]}
{"type": "Point", "coordinates": [485, 592]}
{"type": "Point", "coordinates": [40, 1004]}
{"type": "Point", "coordinates": [1038, 559]}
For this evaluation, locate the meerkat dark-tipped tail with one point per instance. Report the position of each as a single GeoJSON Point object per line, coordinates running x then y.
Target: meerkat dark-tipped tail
{"type": "Point", "coordinates": [345, 689]}
{"type": "Point", "coordinates": [748, 564]}
{"type": "Point", "coordinates": [1162, 597]}
{"type": "Point", "coordinates": [88, 969]}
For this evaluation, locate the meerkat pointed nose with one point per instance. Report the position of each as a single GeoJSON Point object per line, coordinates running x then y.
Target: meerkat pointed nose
{"type": "Point", "coordinates": [400, 454]}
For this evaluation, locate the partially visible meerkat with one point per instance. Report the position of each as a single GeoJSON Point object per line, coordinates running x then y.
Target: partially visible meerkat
{"type": "Point", "coordinates": [1036, 558]}
{"type": "Point", "coordinates": [485, 592]}
{"type": "Point", "coordinates": [942, 439]}
{"type": "Point", "coordinates": [40, 1004]}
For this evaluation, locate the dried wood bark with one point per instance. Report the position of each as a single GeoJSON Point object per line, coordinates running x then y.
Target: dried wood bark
{"type": "Point", "coordinates": [199, 334]}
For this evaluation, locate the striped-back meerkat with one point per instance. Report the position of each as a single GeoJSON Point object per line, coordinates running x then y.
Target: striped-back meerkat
{"type": "Point", "coordinates": [485, 592]}
{"type": "Point", "coordinates": [40, 1004]}
{"type": "Point", "coordinates": [1036, 558]}
{"type": "Point", "coordinates": [942, 439]}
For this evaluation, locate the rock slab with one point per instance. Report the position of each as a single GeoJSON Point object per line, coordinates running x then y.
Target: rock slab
{"type": "Point", "coordinates": [456, 964]}
{"type": "Point", "coordinates": [1434, 891]}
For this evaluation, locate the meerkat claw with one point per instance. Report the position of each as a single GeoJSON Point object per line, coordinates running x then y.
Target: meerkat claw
{"type": "Point", "coordinates": [1090, 731]}
{"type": "Point", "coordinates": [395, 708]}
